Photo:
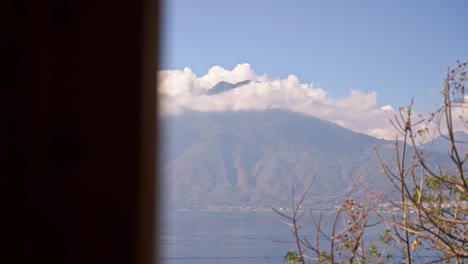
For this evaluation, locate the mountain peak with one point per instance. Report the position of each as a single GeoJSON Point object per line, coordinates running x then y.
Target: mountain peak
{"type": "Point", "coordinates": [225, 86]}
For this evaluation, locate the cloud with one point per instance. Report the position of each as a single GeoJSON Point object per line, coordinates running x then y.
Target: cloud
{"type": "Point", "coordinates": [387, 107]}
{"type": "Point", "coordinates": [240, 73]}
{"type": "Point", "coordinates": [182, 90]}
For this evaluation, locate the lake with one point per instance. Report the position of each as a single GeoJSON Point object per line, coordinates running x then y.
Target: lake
{"type": "Point", "coordinates": [223, 237]}
{"type": "Point", "coordinates": [231, 237]}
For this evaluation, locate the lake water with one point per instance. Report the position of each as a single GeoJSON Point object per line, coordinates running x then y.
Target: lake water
{"type": "Point", "coordinates": [223, 237]}
{"type": "Point", "coordinates": [196, 237]}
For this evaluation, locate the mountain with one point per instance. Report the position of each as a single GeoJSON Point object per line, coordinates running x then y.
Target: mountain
{"type": "Point", "coordinates": [255, 157]}
{"type": "Point", "coordinates": [225, 86]}
{"type": "Point", "coordinates": [442, 143]}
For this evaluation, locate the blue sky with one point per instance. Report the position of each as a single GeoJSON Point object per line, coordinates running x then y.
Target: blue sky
{"type": "Point", "coordinates": [399, 49]}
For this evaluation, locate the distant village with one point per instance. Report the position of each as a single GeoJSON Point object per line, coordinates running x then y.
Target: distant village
{"type": "Point", "coordinates": [316, 207]}
{"type": "Point", "coordinates": [320, 206]}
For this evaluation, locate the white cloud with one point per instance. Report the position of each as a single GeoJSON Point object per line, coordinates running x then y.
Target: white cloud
{"type": "Point", "coordinates": [181, 90]}
{"type": "Point", "coordinates": [240, 73]}
{"type": "Point", "coordinates": [387, 108]}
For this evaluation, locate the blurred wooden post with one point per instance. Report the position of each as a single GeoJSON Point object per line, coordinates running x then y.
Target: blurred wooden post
{"type": "Point", "coordinates": [79, 129]}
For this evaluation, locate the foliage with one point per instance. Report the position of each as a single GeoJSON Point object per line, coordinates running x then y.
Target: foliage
{"type": "Point", "coordinates": [291, 257]}
{"type": "Point", "coordinates": [431, 211]}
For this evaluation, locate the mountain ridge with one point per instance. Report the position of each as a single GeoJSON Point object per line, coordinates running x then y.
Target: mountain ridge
{"type": "Point", "coordinates": [255, 157]}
